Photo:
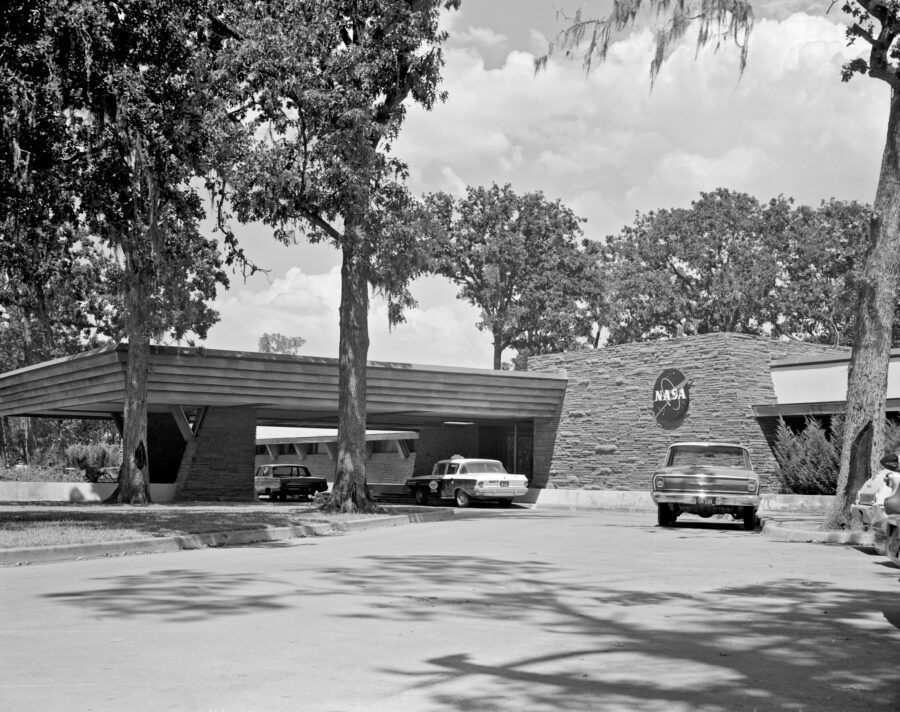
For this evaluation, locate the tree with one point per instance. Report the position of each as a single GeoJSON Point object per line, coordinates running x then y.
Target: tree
{"type": "Point", "coordinates": [709, 268]}
{"type": "Point", "coordinates": [823, 254]}
{"type": "Point", "coordinates": [515, 257]}
{"type": "Point", "coordinates": [729, 263]}
{"type": "Point", "coordinates": [319, 90]}
{"type": "Point", "coordinates": [877, 24]}
{"type": "Point", "coordinates": [280, 344]}
{"type": "Point", "coordinates": [125, 84]}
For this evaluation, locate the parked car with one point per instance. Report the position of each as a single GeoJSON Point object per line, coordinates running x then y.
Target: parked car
{"type": "Point", "coordinates": [464, 479]}
{"type": "Point", "coordinates": [869, 504]}
{"type": "Point", "coordinates": [886, 525]}
{"type": "Point", "coordinates": [706, 478]}
{"type": "Point", "coordinates": [283, 480]}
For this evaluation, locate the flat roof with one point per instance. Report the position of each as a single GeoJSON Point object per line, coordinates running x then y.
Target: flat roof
{"type": "Point", "coordinates": [285, 390]}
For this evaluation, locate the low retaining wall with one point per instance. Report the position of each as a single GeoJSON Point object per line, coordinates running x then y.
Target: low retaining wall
{"type": "Point", "coordinates": [572, 499]}
{"type": "Point", "coordinates": [73, 491]}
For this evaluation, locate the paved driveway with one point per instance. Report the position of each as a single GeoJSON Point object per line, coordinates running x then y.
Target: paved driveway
{"type": "Point", "coordinates": [506, 610]}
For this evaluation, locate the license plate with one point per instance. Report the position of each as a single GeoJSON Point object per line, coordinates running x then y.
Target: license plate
{"type": "Point", "coordinates": [706, 500]}
{"type": "Point", "coordinates": [504, 484]}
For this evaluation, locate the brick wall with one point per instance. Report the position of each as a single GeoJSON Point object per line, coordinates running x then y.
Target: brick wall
{"type": "Point", "coordinates": [218, 463]}
{"type": "Point", "coordinates": [439, 443]}
{"type": "Point", "coordinates": [608, 437]}
{"type": "Point", "coordinates": [381, 467]}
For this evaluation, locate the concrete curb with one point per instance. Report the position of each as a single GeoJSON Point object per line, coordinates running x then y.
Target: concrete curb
{"type": "Point", "coordinates": [157, 545]}
{"type": "Point", "coordinates": [806, 533]}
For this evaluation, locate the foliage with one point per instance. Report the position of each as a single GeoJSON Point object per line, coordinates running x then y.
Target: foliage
{"type": "Point", "coordinates": [276, 343]}
{"type": "Point", "coordinates": [717, 20]}
{"type": "Point", "coordinates": [516, 258]}
{"type": "Point", "coordinates": [731, 264]}
{"type": "Point", "coordinates": [93, 458]}
{"type": "Point", "coordinates": [317, 95]}
{"type": "Point", "coordinates": [808, 461]}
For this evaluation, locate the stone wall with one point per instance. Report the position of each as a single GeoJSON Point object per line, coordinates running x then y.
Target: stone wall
{"type": "Point", "coordinates": [218, 463]}
{"type": "Point", "coordinates": [608, 436]}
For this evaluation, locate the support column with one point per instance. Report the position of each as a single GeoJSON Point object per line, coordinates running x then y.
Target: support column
{"type": "Point", "coordinates": [218, 462]}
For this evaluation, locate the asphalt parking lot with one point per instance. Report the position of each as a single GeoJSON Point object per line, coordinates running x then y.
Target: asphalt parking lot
{"type": "Point", "coordinates": [498, 610]}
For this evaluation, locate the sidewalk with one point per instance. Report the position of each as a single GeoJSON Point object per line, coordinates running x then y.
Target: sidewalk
{"type": "Point", "coordinates": [154, 545]}
{"type": "Point", "coordinates": [805, 527]}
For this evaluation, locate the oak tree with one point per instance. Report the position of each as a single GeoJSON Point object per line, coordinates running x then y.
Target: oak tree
{"type": "Point", "coordinates": [320, 91]}
{"type": "Point", "coordinates": [126, 83]}
{"type": "Point", "coordinates": [517, 258]}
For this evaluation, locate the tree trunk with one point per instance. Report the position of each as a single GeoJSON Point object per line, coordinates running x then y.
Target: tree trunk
{"type": "Point", "coordinates": [867, 380]}
{"type": "Point", "coordinates": [498, 349]}
{"type": "Point", "coordinates": [349, 492]}
{"type": "Point", "coordinates": [134, 473]}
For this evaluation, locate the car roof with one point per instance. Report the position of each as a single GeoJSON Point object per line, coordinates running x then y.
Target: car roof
{"type": "Point", "coordinates": [708, 444]}
{"type": "Point", "coordinates": [468, 459]}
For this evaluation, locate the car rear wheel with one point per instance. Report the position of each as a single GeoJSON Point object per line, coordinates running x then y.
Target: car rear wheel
{"type": "Point", "coordinates": [462, 498]}
{"type": "Point", "coordinates": [420, 495]}
{"type": "Point", "coordinates": [893, 545]}
{"type": "Point", "coordinates": [749, 518]}
{"type": "Point", "coordinates": [665, 517]}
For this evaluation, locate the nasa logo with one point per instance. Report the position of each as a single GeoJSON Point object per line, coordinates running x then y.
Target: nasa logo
{"type": "Point", "coordinates": [671, 397]}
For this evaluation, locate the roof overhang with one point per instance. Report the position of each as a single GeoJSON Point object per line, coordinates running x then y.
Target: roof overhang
{"type": "Point", "coordinates": [285, 390]}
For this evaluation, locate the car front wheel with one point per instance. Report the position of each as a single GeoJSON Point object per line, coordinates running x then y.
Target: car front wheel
{"type": "Point", "coordinates": [749, 518]}
{"type": "Point", "coordinates": [420, 496]}
{"type": "Point", "coordinates": [665, 517]}
{"type": "Point", "coordinates": [462, 498]}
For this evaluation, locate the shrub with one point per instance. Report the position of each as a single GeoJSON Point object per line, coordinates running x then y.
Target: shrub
{"type": "Point", "coordinates": [808, 461]}
{"type": "Point", "coordinates": [92, 458]}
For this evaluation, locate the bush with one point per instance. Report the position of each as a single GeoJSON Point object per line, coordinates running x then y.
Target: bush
{"type": "Point", "coordinates": [808, 461]}
{"type": "Point", "coordinates": [92, 458]}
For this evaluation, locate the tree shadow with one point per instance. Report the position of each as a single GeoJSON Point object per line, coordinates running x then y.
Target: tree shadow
{"type": "Point", "coordinates": [179, 595]}
{"type": "Point", "coordinates": [734, 648]}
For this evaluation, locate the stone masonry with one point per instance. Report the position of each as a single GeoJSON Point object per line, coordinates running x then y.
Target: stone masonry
{"type": "Point", "coordinates": [608, 437]}
{"type": "Point", "coordinates": [218, 462]}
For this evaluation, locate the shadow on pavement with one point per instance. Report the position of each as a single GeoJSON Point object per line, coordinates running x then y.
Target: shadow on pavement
{"type": "Point", "coordinates": [794, 645]}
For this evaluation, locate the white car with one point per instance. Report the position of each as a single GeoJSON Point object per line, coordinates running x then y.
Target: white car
{"type": "Point", "coordinates": [869, 504]}
{"type": "Point", "coordinates": [463, 479]}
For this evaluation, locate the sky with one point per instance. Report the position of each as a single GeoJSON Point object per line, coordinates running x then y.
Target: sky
{"type": "Point", "coordinates": [603, 143]}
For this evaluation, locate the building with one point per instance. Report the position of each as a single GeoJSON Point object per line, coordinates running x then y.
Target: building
{"type": "Point", "coordinates": [597, 419]}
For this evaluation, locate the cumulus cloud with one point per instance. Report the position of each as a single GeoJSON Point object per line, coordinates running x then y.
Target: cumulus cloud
{"type": "Point", "coordinates": [609, 146]}
{"type": "Point", "coordinates": [441, 331]}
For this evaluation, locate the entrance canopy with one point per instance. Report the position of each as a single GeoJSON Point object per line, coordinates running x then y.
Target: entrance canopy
{"type": "Point", "coordinates": [284, 390]}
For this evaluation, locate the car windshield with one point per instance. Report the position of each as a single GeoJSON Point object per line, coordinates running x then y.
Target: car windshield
{"type": "Point", "coordinates": [716, 456]}
{"type": "Point", "coordinates": [292, 471]}
{"type": "Point", "coordinates": [473, 468]}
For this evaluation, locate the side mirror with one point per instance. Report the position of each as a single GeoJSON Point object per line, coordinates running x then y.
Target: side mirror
{"type": "Point", "coordinates": [891, 462]}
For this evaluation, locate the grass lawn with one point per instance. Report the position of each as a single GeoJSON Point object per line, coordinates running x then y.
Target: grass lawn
{"type": "Point", "coordinates": [23, 526]}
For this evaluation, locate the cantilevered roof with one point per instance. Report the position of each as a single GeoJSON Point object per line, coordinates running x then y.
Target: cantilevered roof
{"type": "Point", "coordinates": [817, 385]}
{"type": "Point", "coordinates": [286, 390]}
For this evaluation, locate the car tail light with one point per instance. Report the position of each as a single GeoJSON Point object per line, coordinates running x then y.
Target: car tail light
{"type": "Point", "coordinates": [659, 482]}
{"type": "Point", "coordinates": [752, 485]}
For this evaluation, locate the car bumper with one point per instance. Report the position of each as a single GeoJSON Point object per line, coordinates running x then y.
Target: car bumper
{"type": "Point", "coordinates": [716, 500]}
{"type": "Point", "coordinates": [499, 492]}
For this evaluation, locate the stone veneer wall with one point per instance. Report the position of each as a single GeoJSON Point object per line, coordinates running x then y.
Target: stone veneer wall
{"type": "Point", "coordinates": [608, 437]}
{"type": "Point", "coordinates": [218, 463]}
{"type": "Point", "coordinates": [381, 467]}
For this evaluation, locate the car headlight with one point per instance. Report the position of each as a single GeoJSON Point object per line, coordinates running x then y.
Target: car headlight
{"type": "Point", "coordinates": [479, 484]}
{"type": "Point", "coordinates": [659, 482]}
{"type": "Point", "coordinates": [752, 486]}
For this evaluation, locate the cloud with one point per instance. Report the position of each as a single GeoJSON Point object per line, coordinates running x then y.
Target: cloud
{"type": "Point", "coordinates": [440, 331]}
{"type": "Point", "coordinates": [608, 146]}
